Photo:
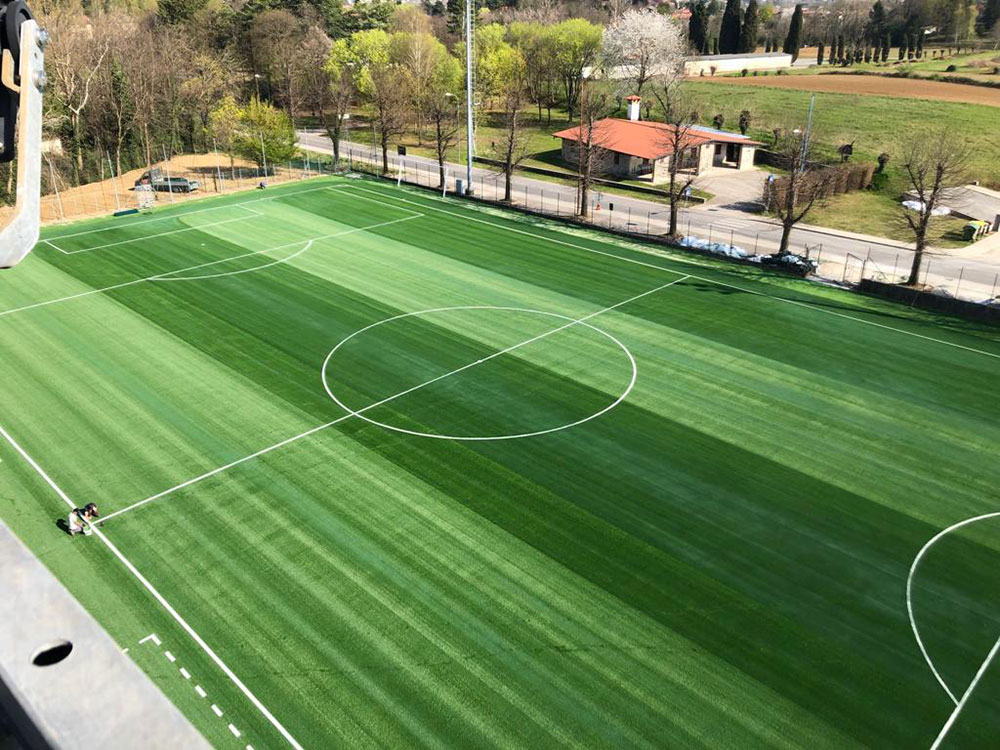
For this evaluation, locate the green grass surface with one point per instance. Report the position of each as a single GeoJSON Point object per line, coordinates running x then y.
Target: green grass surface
{"type": "Point", "coordinates": [717, 561]}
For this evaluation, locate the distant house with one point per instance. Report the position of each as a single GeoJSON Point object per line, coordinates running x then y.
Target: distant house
{"type": "Point", "coordinates": [636, 148]}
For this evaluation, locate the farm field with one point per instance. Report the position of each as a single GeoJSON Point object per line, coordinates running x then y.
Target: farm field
{"type": "Point", "coordinates": [382, 469]}
{"type": "Point", "coordinates": [870, 85]}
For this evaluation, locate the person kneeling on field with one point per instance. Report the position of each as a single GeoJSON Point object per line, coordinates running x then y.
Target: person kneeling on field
{"type": "Point", "coordinates": [79, 518]}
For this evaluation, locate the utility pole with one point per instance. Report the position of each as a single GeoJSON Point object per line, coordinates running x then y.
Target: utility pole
{"type": "Point", "coordinates": [469, 134]}
{"type": "Point", "coordinates": [808, 133]}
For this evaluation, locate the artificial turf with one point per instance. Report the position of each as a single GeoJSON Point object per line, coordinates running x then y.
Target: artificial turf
{"type": "Point", "coordinates": [717, 560]}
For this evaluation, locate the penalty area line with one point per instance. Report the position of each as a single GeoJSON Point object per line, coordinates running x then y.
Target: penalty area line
{"type": "Point", "coordinates": [965, 696]}
{"type": "Point", "coordinates": [157, 595]}
{"type": "Point", "coordinates": [338, 420]}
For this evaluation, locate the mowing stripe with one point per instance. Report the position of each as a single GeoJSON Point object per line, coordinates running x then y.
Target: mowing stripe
{"type": "Point", "coordinates": [806, 305]}
{"type": "Point", "coordinates": [163, 276]}
{"type": "Point", "coordinates": [160, 234]}
{"type": "Point", "coordinates": [158, 596]}
{"type": "Point", "coordinates": [338, 420]}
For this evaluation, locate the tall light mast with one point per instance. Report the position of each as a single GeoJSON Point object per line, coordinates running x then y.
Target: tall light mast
{"type": "Point", "coordinates": [469, 133]}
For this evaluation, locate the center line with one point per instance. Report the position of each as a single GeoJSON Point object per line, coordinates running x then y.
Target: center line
{"type": "Point", "coordinates": [384, 401]}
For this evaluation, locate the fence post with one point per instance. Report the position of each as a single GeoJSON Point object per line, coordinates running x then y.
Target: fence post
{"type": "Point", "coordinates": [958, 285]}
{"type": "Point", "coordinates": [895, 262]}
{"type": "Point", "coordinates": [710, 233]}
{"type": "Point", "coordinates": [996, 278]}
{"type": "Point", "coordinates": [628, 225]}
{"type": "Point", "coordinates": [927, 271]}
{"type": "Point", "coordinates": [730, 238]}
{"type": "Point", "coordinates": [647, 223]}
{"type": "Point", "coordinates": [757, 240]}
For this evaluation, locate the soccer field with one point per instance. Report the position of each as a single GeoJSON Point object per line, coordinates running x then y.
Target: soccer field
{"type": "Point", "coordinates": [384, 469]}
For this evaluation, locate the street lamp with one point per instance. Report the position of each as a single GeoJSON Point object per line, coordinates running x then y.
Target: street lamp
{"type": "Point", "coordinates": [256, 83]}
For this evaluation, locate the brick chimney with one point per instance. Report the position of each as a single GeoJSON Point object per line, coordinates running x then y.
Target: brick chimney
{"type": "Point", "coordinates": [633, 107]}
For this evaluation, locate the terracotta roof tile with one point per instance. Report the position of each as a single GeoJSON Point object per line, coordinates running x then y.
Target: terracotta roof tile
{"type": "Point", "coordinates": [649, 140]}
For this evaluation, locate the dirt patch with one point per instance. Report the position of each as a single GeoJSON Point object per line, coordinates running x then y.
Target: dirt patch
{"type": "Point", "coordinates": [863, 85]}
{"type": "Point", "coordinates": [106, 196]}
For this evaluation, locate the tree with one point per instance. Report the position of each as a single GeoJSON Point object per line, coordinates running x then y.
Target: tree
{"type": "Point", "coordinates": [729, 32]}
{"type": "Point", "coordinates": [277, 36]}
{"type": "Point", "coordinates": [793, 41]}
{"type": "Point", "coordinates": [745, 119]}
{"type": "Point", "coordinates": [578, 46]}
{"type": "Point", "coordinates": [934, 164]}
{"type": "Point", "coordinates": [640, 43]}
{"type": "Point", "coordinates": [178, 11]}
{"type": "Point", "coordinates": [511, 147]}
{"type": "Point", "coordinates": [591, 154]}
{"type": "Point", "coordinates": [750, 29]}
{"type": "Point", "coordinates": [385, 85]}
{"type": "Point", "coordinates": [989, 16]}
{"type": "Point", "coordinates": [819, 53]}
{"type": "Point", "coordinates": [677, 139]}
{"type": "Point", "coordinates": [224, 125]}
{"type": "Point", "coordinates": [792, 196]}
{"type": "Point", "coordinates": [341, 92]}
{"type": "Point", "coordinates": [456, 17]}
{"type": "Point", "coordinates": [876, 27]}
{"type": "Point", "coordinates": [265, 132]}
{"type": "Point", "coordinates": [441, 106]}
{"type": "Point", "coordinates": [698, 28]}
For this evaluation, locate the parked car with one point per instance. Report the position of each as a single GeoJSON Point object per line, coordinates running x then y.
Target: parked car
{"type": "Point", "coordinates": [163, 184]}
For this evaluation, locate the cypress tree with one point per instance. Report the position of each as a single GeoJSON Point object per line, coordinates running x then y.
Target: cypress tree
{"type": "Point", "coordinates": [715, 45]}
{"type": "Point", "coordinates": [749, 31]}
{"type": "Point", "coordinates": [729, 32]}
{"type": "Point", "coordinates": [840, 49]}
{"type": "Point", "coordinates": [885, 48]}
{"type": "Point", "coordinates": [456, 16]}
{"type": "Point", "coordinates": [988, 17]}
{"type": "Point", "coordinates": [819, 54]}
{"type": "Point", "coordinates": [698, 27]}
{"type": "Point", "coordinates": [793, 41]}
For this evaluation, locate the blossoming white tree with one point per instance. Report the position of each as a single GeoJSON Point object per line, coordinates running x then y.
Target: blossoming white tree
{"type": "Point", "coordinates": [641, 45]}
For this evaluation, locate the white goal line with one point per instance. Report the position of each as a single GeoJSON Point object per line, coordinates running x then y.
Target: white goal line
{"type": "Point", "coordinates": [318, 428]}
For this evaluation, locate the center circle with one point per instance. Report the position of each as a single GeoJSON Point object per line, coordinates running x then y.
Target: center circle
{"type": "Point", "coordinates": [560, 323]}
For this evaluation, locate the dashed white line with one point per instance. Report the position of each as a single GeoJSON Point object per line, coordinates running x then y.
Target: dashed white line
{"type": "Point", "coordinates": [216, 710]}
{"type": "Point", "coordinates": [200, 690]}
{"type": "Point", "coordinates": [185, 674]}
{"type": "Point", "coordinates": [151, 637]}
{"type": "Point", "coordinates": [234, 730]}
{"type": "Point", "coordinates": [170, 656]}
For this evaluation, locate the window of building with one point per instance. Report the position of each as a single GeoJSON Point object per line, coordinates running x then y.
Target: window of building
{"type": "Point", "coordinates": [618, 158]}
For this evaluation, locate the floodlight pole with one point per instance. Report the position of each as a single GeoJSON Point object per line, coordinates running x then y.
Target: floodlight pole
{"type": "Point", "coordinates": [469, 135]}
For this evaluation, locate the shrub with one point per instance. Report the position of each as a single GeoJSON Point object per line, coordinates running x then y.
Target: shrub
{"type": "Point", "coordinates": [744, 72]}
{"type": "Point", "coordinates": [780, 72]}
{"type": "Point", "coordinates": [950, 69]}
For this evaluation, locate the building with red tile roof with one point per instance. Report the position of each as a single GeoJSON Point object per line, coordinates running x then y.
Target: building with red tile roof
{"type": "Point", "coordinates": [635, 147]}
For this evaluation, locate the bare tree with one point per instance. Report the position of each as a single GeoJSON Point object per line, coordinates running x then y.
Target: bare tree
{"type": "Point", "coordinates": [441, 106]}
{"type": "Point", "coordinates": [73, 60]}
{"type": "Point", "coordinates": [512, 146]}
{"type": "Point", "coordinates": [340, 93]}
{"type": "Point", "coordinates": [641, 44]}
{"type": "Point", "coordinates": [389, 99]}
{"type": "Point", "coordinates": [934, 164]}
{"type": "Point", "coordinates": [678, 140]}
{"type": "Point", "coordinates": [792, 196]}
{"type": "Point", "coordinates": [591, 152]}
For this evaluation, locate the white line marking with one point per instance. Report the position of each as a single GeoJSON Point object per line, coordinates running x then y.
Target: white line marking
{"type": "Point", "coordinates": [965, 697]}
{"type": "Point", "coordinates": [181, 214]}
{"type": "Point", "coordinates": [249, 747]}
{"type": "Point", "coordinates": [124, 650]}
{"type": "Point", "coordinates": [170, 657]}
{"type": "Point", "coordinates": [163, 276]}
{"type": "Point", "coordinates": [200, 690]}
{"type": "Point", "coordinates": [158, 596]}
{"type": "Point", "coordinates": [152, 636]}
{"type": "Point", "coordinates": [159, 234]}
{"type": "Point", "coordinates": [216, 710]}
{"type": "Point", "coordinates": [318, 428]}
{"type": "Point", "coordinates": [234, 730]}
{"type": "Point", "coordinates": [679, 260]}
{"type": "Point", "coordinates": [185, 674]}
{"type": "Point", "coordinates": [909, 593]}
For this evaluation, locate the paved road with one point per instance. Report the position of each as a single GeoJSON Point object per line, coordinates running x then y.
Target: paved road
{"type": "Point", "coordinates": [841, 254]}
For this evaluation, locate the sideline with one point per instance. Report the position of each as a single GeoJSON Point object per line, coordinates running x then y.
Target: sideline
{"type": "Point", "coordinates": [158, 596]}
